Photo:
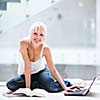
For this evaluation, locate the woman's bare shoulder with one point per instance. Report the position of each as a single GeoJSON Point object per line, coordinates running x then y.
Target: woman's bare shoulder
{"type": "Point", "coordinates": [24, 42]}
{"type": "Point", "coordinates": [46, 49]}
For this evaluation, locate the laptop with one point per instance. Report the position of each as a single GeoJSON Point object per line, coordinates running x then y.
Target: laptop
{"type": "Point", "coordinates": [81, 92]}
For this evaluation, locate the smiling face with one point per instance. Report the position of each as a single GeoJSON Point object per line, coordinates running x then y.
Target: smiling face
{"type": "Point", "coordinates": [38, 33]}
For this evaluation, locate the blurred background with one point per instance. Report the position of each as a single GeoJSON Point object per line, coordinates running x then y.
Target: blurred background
{"type": "Point", "coordinates": [73, 34]}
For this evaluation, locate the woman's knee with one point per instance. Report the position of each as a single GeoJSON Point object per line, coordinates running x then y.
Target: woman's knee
{"type": "Point", "coordinates": [11, 85]}
{"type": "Point", "coordinates": [15, 83]}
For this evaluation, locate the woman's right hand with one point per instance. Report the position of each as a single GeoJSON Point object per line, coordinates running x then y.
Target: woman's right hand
{"type": "Point", "coordinates": [72, 88]}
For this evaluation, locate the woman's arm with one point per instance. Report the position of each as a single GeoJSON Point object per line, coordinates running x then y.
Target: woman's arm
{"type": "Point", "coordinates": [27, 65]}
{"type": "Point", "coordinates": [52, 68]}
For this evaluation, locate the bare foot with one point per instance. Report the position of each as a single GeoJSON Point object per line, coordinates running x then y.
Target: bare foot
{"type": "Point", "coordinates": [8, 93]}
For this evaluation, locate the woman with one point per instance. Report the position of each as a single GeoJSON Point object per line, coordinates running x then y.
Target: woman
{"type": "Point", "coordinates": [33, 72]}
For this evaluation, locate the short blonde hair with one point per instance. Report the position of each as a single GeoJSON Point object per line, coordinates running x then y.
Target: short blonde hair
{"type": "Point", "coordinates": [40, 26]}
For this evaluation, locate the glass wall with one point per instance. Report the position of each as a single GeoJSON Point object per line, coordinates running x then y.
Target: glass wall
{"type": "Point", "coordinates": [74, 23]}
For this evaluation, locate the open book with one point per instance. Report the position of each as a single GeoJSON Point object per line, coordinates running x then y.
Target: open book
{"type": "Point", "coordinates": [31, 93]}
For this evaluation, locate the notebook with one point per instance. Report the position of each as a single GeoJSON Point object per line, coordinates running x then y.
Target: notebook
{"type": "Point", "coordinates": [81, 92]}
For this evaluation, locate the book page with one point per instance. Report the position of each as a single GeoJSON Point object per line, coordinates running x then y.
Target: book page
{"type": "Point", "coordinates": [23, 91]}
{"type": "Point", "coordinates": [39, 92]}
{"type": "Point", "coordinates": [28, 92]}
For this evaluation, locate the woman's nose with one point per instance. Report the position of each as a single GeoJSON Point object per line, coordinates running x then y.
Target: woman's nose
{"type": "Point", "coordinates": [38, 36]}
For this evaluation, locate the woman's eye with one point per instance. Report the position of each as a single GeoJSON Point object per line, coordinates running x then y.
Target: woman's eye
{"type": "Point", "coordinates": [35, 33]}
{"type": "Point", "coordinates": [41, 34]}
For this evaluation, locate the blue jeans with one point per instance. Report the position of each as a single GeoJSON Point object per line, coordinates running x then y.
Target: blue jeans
{"type": "Point", "coordinates": [42, 80]}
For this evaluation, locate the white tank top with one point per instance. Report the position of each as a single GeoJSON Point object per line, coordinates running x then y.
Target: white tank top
{"type": "Point", "coordinates": [35, 66]}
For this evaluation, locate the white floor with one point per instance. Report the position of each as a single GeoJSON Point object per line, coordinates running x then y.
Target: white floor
{"type": "Point", "coordinates": [94, 95]}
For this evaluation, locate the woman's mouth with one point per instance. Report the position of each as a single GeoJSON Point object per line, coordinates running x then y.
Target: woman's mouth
{"type": "Point", "coordinates": [37, 40]}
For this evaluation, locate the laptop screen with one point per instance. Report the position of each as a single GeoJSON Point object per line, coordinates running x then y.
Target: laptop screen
{"type": "Point", "coordinates": [93, 80]}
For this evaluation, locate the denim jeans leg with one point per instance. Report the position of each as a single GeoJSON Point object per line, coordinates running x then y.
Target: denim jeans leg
{"type": "Point", "coordinates": [16, 83]}
{"type": "Point", "coordinates": [47, 82]}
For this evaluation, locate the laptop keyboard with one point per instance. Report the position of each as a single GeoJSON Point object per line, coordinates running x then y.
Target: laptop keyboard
{"type": "Point", "coordinates": [79, 91]}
